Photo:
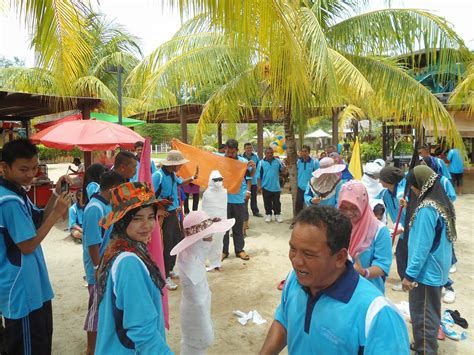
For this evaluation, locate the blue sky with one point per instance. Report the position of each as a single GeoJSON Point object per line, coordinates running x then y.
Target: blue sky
{"type": "Point", "coordinates": [154, 24]}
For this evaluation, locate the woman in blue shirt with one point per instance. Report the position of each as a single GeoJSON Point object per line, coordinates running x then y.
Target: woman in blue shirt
{"type": "Point", "coordinates": [323, 188]}
{"type": "Point", "coordinates": [76, 217]}
{"type": "Point", "coordinates": [370, 246]}
{"type": "Point", "coordinates": [91, 181]}
{"type": "Point", "coordinates": [131, 319]}
{"type": "Point", "coordinates": [432, 232]}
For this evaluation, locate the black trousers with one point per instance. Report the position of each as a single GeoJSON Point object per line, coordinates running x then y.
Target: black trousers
{"type": "Point", "coordinates": [271, 202]}
{"type": "Point", "coordinates": [237, 211]}
{"type": "Point", "coordinates": [31, 334]}
{"type": "Point", "coordinates": [425, 313]}
{"type": "Point", "coordinates": [299, 205]}
{"type": "Point", "coordinates": [195, 202]}
{"type": "Point", "coordinates": [253, 199]}
{"type": "Point", "coordinates": [401, 255]}
{"type": "Point", "coordinates": [172, 235]}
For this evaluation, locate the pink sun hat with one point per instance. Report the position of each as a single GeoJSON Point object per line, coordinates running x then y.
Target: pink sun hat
{"type": "Point", "coordinates": [198, 225]}
{"type": "Point", "coordinates": [328, 166]}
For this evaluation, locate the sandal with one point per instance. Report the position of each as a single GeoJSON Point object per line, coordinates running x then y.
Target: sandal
{"type": "Point", "coordinates": [224, 256]}
{"type": "Point", "coordinates": [243, 255]}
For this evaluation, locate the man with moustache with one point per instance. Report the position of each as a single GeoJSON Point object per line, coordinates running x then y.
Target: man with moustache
{"type": "Point", "coordinates": [326, 306]}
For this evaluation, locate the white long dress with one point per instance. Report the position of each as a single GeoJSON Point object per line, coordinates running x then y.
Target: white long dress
{"type": "Point", "coordinates": [214, 203]}
{"type": "Point", "coordinates": [195, 308]}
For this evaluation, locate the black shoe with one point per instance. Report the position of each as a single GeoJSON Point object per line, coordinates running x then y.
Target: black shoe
{"type": "Point", "coordinates": [258, 214]}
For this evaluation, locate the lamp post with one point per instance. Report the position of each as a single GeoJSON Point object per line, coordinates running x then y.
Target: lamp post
{"type": "Point", "coordinates": [118, 70]}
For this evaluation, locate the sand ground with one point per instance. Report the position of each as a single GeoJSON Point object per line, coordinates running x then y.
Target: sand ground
{"type": "Point", "coordinates": [241, 285]}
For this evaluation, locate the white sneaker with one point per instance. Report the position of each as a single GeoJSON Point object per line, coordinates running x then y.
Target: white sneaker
{"type": "Point", "coordinates": [397, 287]}
{"type": "Point", "coordinates": [174, 275]}
{"type": "Point", "coordinates": [170, 285]}
{"type": "Point", "coordinates": [278, 218]}
{"type": "Point", "coordinates": [449, 297]}
{"type": "Point", "coordinates": [453, 269]}
{"type": "Point", "coordinates": [268, 218]}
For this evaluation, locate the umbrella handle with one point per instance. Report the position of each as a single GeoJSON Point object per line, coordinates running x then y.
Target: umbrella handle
{"type": "Point", "coordinates": [400, 210]}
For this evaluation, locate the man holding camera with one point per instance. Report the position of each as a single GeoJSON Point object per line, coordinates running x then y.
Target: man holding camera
{"type": "Point", "coordinates": [165, 183]}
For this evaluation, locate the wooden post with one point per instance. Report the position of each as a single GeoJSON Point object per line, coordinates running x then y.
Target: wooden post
{"type": "Point", "coordinates": [260, 135]}
{"type": "Point", "coordinates": [219, 134]}
{"type": "Point", "coordinates": [335, 126]}
{"type": "Point", "coordinates": [184, 126]}
{"type": "Point", "coordinates": [86, 115]}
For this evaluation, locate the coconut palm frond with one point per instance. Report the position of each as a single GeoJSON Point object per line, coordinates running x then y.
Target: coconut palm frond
{"type": "Point", "coordinates": [398, 32]}
{"type": "Point", "coordinates": [349, 112]}
{"type": "Point", "coordinates": [91, 86]}
{"type": "Point", "coordinates": [60, 40]}
{"type": "Point", "coordinates": [33, 80]}
{"type": "Point", "coordinates": [401, 97]}
{"type": "Point", "coordinates": [463, 94]}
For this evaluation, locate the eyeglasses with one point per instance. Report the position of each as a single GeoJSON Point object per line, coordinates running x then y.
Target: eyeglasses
{"type": "Point", "coordinates": [218, 179]}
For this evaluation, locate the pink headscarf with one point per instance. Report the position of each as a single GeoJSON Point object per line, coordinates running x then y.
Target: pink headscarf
{"type": "Point", "coordinates": [363, 232]}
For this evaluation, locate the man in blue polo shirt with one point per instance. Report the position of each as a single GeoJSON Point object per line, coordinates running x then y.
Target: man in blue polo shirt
{"type": "Point", "coordinates": [456, 168]}
{"type": "Point", "coordinates": [236, 204]}
{"type": "Point", "coordinates": [326, 306]}
{"type": "Point", "coordinates": [25, 290]}
{"type": "Point", "coordinates": [305, 165]}
{"type": "Point", "coordinates": [250, 155]}
{"type": "Point", "coordinates": [94, 243]}
{"type": "Point", "coordinates": [268, 175]}
{"type": "Point", "coordinates": [138, 154]}
{"type": "Point", "coordinates": [165, 184]}
{"type": "Point", "coordinates": [436, 164]}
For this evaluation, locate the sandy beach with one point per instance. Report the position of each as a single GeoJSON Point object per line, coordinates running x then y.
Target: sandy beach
{"type": "Point", "coordinates": [243, 285]}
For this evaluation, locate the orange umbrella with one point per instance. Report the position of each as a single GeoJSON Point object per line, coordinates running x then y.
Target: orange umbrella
{"type": "Point", "coordinates": [87, 135]}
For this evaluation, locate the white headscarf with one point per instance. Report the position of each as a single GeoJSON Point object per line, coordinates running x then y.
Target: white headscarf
{"type": "Point", "coordinates": [372, 185]}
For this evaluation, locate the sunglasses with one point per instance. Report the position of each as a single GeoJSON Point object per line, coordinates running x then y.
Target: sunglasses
{"type": "Point", "coordinates": [218, 179]}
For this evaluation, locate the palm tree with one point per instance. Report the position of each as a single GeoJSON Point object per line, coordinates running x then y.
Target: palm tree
{"type": "Point", "coordinates": [299, 59]}
{"type": "Point", "coordinates": [110, 44]}
{"type": "Point", "coordinates": [463, 94]}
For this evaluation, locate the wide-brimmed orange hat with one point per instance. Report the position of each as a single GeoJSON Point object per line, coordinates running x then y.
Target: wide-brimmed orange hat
{"type": "Point", "coordinates": [128, 196]}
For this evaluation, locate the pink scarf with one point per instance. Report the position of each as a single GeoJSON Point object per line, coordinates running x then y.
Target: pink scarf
{"type": "Point", "coordinates": [155, 247]}
{"type": "Point", "coordinates": [364, 230]}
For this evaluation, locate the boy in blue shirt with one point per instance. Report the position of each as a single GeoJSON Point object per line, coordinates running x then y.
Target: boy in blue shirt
{"type": "Point", "coordinates": [25, 290]}
{"type": "Point", "coordinates": [268, 175]}
{"type": "Point", "coordinates": [305, 165]}
{"type": "Point", "coordinates": [76, 217]}
{"type": "Point", "coordinates": [94, 242]}
{"type": "Point", "coordinates": [326, 306]}
{"type": "Point", "coordinates": [125, 164]}
{"type": "Point", "coordinates": [250, 155]}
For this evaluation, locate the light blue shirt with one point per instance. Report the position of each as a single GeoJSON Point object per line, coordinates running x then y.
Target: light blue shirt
{"type": "Point", "coordinates": [331, 201]}
{"type": "Point", "coordinates": [94, 234]}
{"type": "Point", "coordinates": [268, 172]}
{"type": "Point", "coordinates": [239, 197]}
{"type": "Point", "coordinates": [255, 159]}
{"type": "Point", "coordinates": [153, 170]}
{"type": "Point", "coordinates": [133, 302]}
{"type": "Point", "coordinates": [76, 216]}
{"type": "Point", "coordinates": [165, 185]}
{"type": "Point", "coordinates": [429, 250]}
{"type": "Point", "coordinates": [392, 202]}
{"type": "Point", "coordinates": [448, 188]}
{"type": "Point", "coordinates": [24, 281]}
{"type": "Point", "coordinates": [305, 171]}
{"type": "Point", "coordinates": [379, 253]}
{"type": "Point", "coordinates": [337, 320]}
{"type": "Point", "coordinates": [456, 164]}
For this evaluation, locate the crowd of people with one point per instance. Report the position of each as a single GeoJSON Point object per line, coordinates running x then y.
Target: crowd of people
{"type": "Point", "coordinates": [340, 250]}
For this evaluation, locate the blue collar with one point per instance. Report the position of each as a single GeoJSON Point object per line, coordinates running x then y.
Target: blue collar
{"type": "Point", "coordinates": [98, 196]}
{"type": "Point", "coordinates": [251, 156]}
{"type": "Point", "coordinates": [305, 161]}
{"type": "Point", "coordinates": [12, 187]}
{"type": "Point", "coordinates": [343, 288]}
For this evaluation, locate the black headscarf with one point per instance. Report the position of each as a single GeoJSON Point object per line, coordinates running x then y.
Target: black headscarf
{"type": "Point", "coordinates": [391, 175]}
{"type": "Point", "coordinates": [432, 194]}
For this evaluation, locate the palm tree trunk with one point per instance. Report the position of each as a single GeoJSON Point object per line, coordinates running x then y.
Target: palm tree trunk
{"type": "Point", "coordinates": [291, 157]}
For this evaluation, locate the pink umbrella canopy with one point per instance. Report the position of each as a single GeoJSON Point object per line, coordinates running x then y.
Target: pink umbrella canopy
{"type": "Point", "coordinates": [87, 135]}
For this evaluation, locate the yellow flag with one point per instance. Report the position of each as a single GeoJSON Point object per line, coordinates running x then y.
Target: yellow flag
{"type": "Point", "coordinates": [355, 166]}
